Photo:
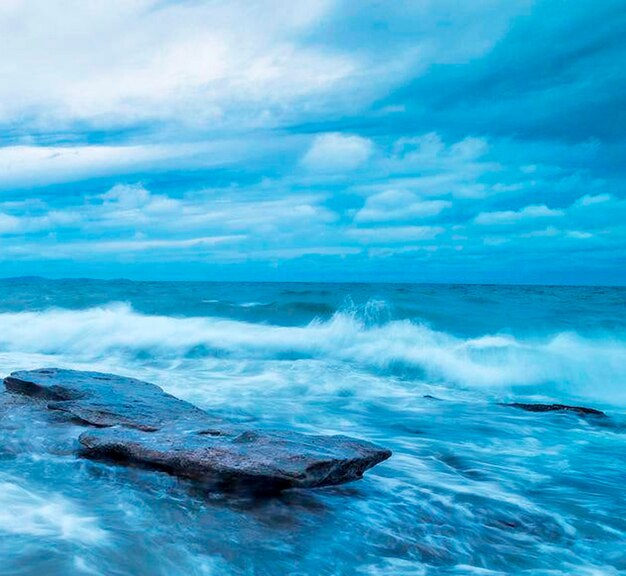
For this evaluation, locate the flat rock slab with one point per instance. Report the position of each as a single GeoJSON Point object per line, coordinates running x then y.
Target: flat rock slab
{"type": "Point", "coordinates": [105, 399]}
{"type": "Point", "coordinates": [580, 410]}
{"type": "Point", "coordinates": [140, 424]}
{"type": "Point", "coordinates": [255, 459]}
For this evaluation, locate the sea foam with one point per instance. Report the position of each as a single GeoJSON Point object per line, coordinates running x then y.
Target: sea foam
{"type": "Point", "coordinates": [583, 366]}
{"type": "Point", "coordinates": [43, 514]}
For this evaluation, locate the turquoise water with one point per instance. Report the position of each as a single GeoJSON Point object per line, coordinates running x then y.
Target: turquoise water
{"type": "Point", "coordinates": [473, 487]}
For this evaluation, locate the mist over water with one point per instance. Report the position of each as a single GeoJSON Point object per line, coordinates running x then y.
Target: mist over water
{"type": "Point", "coordinates": [473, 487]}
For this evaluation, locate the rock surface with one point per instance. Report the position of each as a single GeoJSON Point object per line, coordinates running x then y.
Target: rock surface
{"type": "Point", "coordinates": [581, 410]}
{"type": "Point", "coordinates": [140, 424]}
{"type": "Point", "coordinates": [105, 399]}
{"type": "Point", "coordinates": [268, 460]}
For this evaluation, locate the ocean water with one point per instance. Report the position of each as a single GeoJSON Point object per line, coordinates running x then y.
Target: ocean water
{"type": "Point", "coordinates": [473, 487]}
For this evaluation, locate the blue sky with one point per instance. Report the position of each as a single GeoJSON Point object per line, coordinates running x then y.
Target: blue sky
{"type": "Point", "coordinates": [423, 140]}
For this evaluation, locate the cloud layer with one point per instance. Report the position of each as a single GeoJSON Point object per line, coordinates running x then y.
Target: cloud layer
{"type": "Point", "coordinates": [422, 141]}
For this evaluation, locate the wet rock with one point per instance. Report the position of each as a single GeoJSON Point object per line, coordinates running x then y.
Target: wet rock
{"type": "Point", "coordinates": [139, 424]}
{"type": "Point", "coordinates": [254, 459]}
{"type": "Point", "coordinates": [580, 410]}
{"type": "Point", "coordinates": [105, 399]}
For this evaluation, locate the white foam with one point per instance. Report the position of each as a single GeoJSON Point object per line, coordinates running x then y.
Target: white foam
{"type": "Point", "coordinates": [47, 515]}
{"type": "Point", "coordinates": [585, 367]}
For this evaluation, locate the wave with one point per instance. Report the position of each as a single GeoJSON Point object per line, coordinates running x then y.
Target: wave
{"type": "Point", "coordinates": [286, 307]}
{"type": "Point", "coordinates": [48, 516]}
{"type": "Point", "coordinates": [581, 366]}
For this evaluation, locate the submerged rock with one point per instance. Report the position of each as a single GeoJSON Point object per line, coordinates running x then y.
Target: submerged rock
{"type": "Point", "coordinates": [581, 410]}
{"type": "Point", "coordinates": [140, 424]}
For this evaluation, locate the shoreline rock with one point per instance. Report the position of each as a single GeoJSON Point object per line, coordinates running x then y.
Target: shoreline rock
{"type": "Point", "coordinates": [104, 399]}
{"type": "Point", "coordinates": [136, 423]}
{"type": "Point", "coordinates": [263, 460]}
{"type": "Point", "coordinates": [580, 410]}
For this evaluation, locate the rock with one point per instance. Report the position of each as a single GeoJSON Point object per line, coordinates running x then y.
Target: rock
{"type": "Point", "coordinates": [139, 424]}
{"type": "Point", "coordinates": [105, 399]}
{"type": "Point", "coordinates": [254, 459]}
{"type": "Point", "coordinates": [581, 410]}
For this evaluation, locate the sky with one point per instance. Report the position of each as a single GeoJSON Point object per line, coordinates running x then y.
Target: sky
{"type": "Point", "coordinates": [314, 140]}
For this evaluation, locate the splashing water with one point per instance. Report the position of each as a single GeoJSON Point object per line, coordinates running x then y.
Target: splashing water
{"type": "Point", "coordinates": [473, 486]}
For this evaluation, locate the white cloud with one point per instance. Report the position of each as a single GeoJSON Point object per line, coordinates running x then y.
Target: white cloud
{"type": "Point", "coordinates": [11, 225]}
{"type": "Point", "coordinates": [132, 198]}
{"type": "Point", "coordinates": [589, 219]}
{"type": "Point", "coordinates": [159, 221]}
{"type": "Point", "coordinates": [33, 165]}
{"type": "Point", "coordinates": [398, 205]}
{"type": "Point", "coordinates": [336, 153]}
{"type": "Point", "coordinates": [123, 61]}
{"type": "Point", "coordinates": [428, 166]}
{"type": "Point", "coordinates": [23, 166]}
{"type": "Point", "coordinates": [430, 152]}
{"type": "Point", "coordinates": [8, 223]}
{"type": "Point", "coordinates": [405, 234]}
{"type": "Point", "coordinates": [578, 235]}
{"type": "Point", "coordinates": [140, 245]}
{"type": "Point", "coordinates": [590, 200]}
{"type": "Point", "coordinates": [527, 213]}
{"type": "Point", "coordinates": [292, 253]}
{"type": "Point", "coordinates": [547, 232]}
{"type": "Point", "coordinates": [200, 63]}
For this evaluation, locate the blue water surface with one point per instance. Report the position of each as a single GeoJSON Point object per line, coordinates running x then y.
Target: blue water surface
{"type": "Point", "coordinates": [473, 487]}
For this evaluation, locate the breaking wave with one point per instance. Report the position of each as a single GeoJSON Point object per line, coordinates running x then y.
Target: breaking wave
{"type": "Point", "coordinates": [580, 365]}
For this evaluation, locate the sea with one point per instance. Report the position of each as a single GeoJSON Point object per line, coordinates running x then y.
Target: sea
{"type": "Point", "coordinates": [474, 486]}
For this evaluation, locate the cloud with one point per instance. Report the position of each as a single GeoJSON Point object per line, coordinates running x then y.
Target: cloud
{"type": "Point", "coordinates": [430, 151]}
{"type": "Point", "coordinates": [24, 224]}
{"type": "Point", "coordinates": [208, 64]}
{"type": "Point", "coordinates": [133, 200]}
{"type": "Point", "coordinates": [8, 223]}
{"type": "Point", "coordinates": [590, 224]}
{"type": "Point", "coordinates": [23, 166]}
{"type": "Point", "coordinates": [130, 218]}
{"type": "Point", "coordinates": [397, 234]}
{"type": "Point", "coordinates": [548, 69]}
{"type": "Point", "coordinates": [428, 165]}
{"type": "Point", "coordinates": [337, 153]}
{"type": "Point", "coordinates": [590, 200]}
{"type": "Point", "coordinates": [342, 134]}
{"type": "Point", "coordinates": [140, 245]}
{"type": "Point", "coordinates": [188, 60]}
{"type": "Point", "coordinates": [532, 212]}
{"type": "Point", "coordinates": [398, 205]}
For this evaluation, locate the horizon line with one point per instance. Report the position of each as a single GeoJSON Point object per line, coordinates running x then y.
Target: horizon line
{"type": "Point", "coordinates": [356, 282]}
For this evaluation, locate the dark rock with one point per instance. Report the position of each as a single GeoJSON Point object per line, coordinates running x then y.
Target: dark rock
{"type": "Point", "coordinates": [142, 425]}
{"type": "Point", "coordinates": [580, 410]}
{"type": "Point", "coordinates": [254, 459]}
{"type": "Point", "coordinates": [105, 399]}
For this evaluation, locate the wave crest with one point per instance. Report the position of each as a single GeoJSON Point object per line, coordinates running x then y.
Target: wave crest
{"type": "Point", "coordinates": [582, 366]}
